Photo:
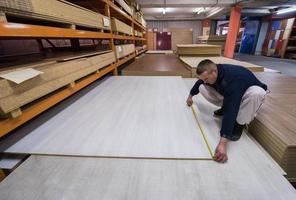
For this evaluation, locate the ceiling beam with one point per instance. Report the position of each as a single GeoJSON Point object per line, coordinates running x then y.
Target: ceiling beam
{"type": "Point", "coordinates": [186, 3]}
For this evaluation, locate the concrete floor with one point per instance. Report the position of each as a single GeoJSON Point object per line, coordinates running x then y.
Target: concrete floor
{"type": "Point", "coordinates": [286, 66]}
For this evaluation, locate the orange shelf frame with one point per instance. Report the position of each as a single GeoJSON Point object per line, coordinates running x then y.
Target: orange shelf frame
{"type": "Point", "coordinates": [139, 25]}
{"type": "Point", "coordinates": [15, 30]}
{"type": "Point", "coordinates": [118, 10]}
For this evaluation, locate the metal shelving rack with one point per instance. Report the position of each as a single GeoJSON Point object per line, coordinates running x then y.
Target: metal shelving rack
{"type": "Point", "coordinates": [27, 31]}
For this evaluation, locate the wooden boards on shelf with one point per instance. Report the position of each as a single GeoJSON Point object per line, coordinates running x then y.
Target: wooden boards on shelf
{"type": "Point", "coordinates": [124, 50]}
{"type": "Point", "coordinates": [56, 11]}
{"type": "Point", "coordinates": [54, 76]}
{"type": "Point", "coordinates": [199, 49]}
{"type": "Point", "coordinates": [122, 117]}
{"type": "Point", "coordinates": [192, 62]}
{"type": "Point", "coordinates": [119, 26]}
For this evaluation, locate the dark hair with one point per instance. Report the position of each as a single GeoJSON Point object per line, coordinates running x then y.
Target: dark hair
{"type": "Point", "coordinates": [204, 65]}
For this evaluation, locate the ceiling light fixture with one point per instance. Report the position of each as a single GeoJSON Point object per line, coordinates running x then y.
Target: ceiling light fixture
{"type": "Point", "coordinates": [164, 7]}
{"type": "Point", "coordinates": [215, 11]}
{"type": "Point", "coordinates": [286, 10]}
{"type": "Point", "coordinates": [201, 10]}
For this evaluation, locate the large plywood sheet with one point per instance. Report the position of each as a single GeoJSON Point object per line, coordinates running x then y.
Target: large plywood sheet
{"type": "Point", "coordinates": [143, 117]}
{"type": "Point", "coordinates": [90, 178]}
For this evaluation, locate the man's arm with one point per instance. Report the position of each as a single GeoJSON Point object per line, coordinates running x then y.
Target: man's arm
{"type": "Point", "coordinates": [231, 104]}
{"type": "Point", "coordinates": [194, 91]}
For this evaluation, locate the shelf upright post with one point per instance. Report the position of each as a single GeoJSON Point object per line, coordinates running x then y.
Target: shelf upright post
{"type": "Point", "coordinates": [111, 43]}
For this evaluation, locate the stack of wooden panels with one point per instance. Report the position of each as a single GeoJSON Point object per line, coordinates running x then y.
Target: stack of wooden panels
{"type": "Point", "coordinates": [56, 10]}
{"type": "Point", "coordinates": [199, 49]}
{"type": "Point", "coordinates": [138, 33]}
{"type": "Point", "coordinates": [140, 49]}
{"type": "Point", "coordinates": [192, 62]}
{"type": "Point", "coordinates": [55, 75]}
{"type": "Point", "coordinates": [126, 7]}
{"type": "Point", "coordinates": [274, 126]}
{"type": "Point", "coordinates": [217, 40]}
{"type": "Point", "coordinates": [180, 36]}
{"type": "Point", "coordinates": [119, 26]}
{"type": "Point", "coordinates": [140, 18]}
{"type": "Point", "coordinates": [124, 50]}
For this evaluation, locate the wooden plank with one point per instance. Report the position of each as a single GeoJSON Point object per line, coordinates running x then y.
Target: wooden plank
{"type": "Point", "coordinates": [141, 117]}
{"type": "Point", "coordinates": [42, 177]}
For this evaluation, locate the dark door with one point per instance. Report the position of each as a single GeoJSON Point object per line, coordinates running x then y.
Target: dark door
{"type": "Point", "coordinates": [164, 41]}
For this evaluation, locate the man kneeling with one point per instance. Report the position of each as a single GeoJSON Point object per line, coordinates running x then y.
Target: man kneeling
{"type": "Point", "coordinates": [237, 91]}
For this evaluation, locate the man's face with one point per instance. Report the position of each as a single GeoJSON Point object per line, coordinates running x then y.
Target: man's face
{"type": "Point", "coordinates": [209, 77]}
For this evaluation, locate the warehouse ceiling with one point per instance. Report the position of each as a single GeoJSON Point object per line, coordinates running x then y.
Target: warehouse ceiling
{"type": "Point", "coordinates": [213, 9]}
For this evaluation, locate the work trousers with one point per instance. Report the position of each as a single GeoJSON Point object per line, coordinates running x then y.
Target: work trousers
{"type": "Point", "coordinates": [250, 103]}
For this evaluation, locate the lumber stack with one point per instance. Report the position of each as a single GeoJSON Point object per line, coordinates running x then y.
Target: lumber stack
{"type": "Point", "coordinates": [124, 50]}
{"type": "Point", "coordinates": [192, 62]}
{"type": "Point", "coordinates": [140, 49]}
{"type": "Point", "coordinates": [125, 7]}
{"type": "Point", "coordinates": [57, 11]}
{"type": "Point", "coordinates": [55, 75]}
{"type": "Point", "coordinates": [199, 49]}
{"type": "Point", "coordinates": [140, 18]}
{"type": "Point", "coordinates": [119, 26]}
{"type": "Point", "coordinates": [138, 33]}
{"type": "Point", "coordinates": [274, 127]}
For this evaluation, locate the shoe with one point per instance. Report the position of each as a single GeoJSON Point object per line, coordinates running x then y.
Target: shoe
{"type": "Point", "coordinates": [237, 131]}
{"type": "Point", "coordinates": [218, 112]}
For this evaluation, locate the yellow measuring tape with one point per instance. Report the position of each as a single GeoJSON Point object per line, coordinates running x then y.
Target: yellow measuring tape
{"type": "Point", "coordinates": [202, 132]}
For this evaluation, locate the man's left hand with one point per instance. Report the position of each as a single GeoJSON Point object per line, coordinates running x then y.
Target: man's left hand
{"type": "Point", "coordinates": [221, 151]}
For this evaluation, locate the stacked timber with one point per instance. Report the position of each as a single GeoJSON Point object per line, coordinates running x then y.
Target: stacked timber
{"type": "Point", "coordinates": [55, 75]}
{"type": "Point", "coordinates": [119, 26]}
{"type": "Point", "coordinates": [199, 49]}
{"type": "Point", "coordinates": [55, 10]}
{"type": "Point", "coordinates": [274, 127]}
{"type": "Point", "coordinates": [124, 50]}
{"type": "Point", "coordinates": [192, 62]}
{"type": "Point", "coordinates": [125, 7]}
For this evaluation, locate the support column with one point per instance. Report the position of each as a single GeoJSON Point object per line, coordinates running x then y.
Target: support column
{"type": "Point", "coordinates": [234, 25]}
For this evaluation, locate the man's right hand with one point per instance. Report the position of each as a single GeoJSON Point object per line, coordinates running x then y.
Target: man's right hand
{"type": "Point", "coordinates": [189, 101]}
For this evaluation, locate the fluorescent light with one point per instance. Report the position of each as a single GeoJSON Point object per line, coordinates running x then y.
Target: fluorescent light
{"type": "Point", "coordinates": [201, 10]}
{"type": "Point", "coordinates": [163, 11]}
{"type": "Point", "coordinates": [215, 11]}
{"type": "Point", "coordinates": [286, 10]}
